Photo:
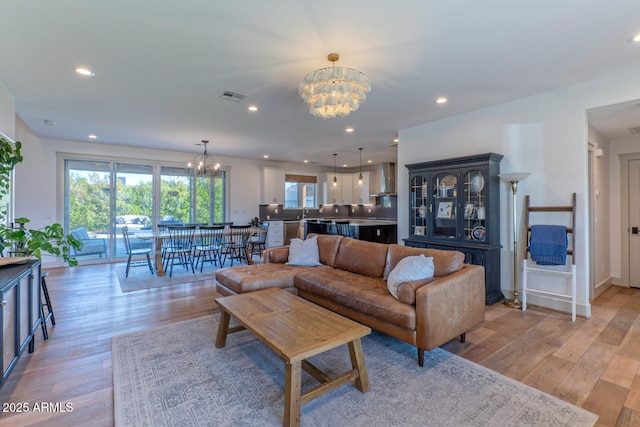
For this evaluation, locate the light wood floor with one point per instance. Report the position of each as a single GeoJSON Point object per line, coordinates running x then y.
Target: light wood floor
{"type": "Point", "coordinates": [591, 363]}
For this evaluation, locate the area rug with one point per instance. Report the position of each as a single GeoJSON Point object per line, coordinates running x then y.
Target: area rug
{"type": "Point", "coordinates": [141, 278]}
{"type": "Point", "coordinates": [174, 376]}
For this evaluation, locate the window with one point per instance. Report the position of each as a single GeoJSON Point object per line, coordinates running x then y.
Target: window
{"type": "Point", "coordinates": [300, 191]}
{"type": "Point", "coordinates": [103, 196]}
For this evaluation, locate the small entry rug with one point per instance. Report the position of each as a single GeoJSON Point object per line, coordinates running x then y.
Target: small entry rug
{"type": "Point", "coordinates": [141, 278]}
{"type": "Point", "coordinates": [174, 376]}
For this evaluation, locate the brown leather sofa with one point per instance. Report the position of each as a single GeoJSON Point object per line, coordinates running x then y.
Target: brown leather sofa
{"type": "Point", "coordinates": [352, 282]}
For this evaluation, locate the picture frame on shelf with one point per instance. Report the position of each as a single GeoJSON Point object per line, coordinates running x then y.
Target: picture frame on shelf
{"type": "Point", "coordinates": [469, 211]}
{"type": "Point", "coordinates": [445, 209]}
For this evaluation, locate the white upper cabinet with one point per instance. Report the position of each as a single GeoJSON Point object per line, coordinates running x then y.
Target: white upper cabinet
{"type": "Point", "coordinates": [347, 191]}
{"type": "Point", "coordinates": [360, 191]}
{"type": "Point", "coordinates": [332, 194]}
{"type": "Point", "coordinates": [272, 186]}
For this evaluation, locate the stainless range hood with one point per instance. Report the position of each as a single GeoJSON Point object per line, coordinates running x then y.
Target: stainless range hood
{"type": "Point", "coordinates": [387, 180]}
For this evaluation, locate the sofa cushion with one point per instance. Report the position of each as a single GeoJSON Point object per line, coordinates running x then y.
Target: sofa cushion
{"type": "Point", "coordinates": [304, 252]}
{"type": "Point", "coordinates": [327, 247]}
{"type": "Point", "coordinates": [444, 262]}
{"type": "Point", "coordinates": [411, 268]}
{"type": "Point", "coordinates": [365, 294]}
{"type": "Point", "coordinates": [361, 257]}
{"type": "Point", "coordinates": [248, 278]}
{"type": "Point", "coordinates": [80, 233]}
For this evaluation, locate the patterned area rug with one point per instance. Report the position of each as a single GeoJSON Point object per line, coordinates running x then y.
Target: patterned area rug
{"type": "Point", "coordinates": [141, 278]}
{"type": "Point", "coordinates": [174, 376]}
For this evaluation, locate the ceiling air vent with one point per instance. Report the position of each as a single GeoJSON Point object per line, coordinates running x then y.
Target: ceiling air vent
{"type": "Point", "coordinates": [635, 130]}
{"type": "Point", "coordinates": [230, 95]}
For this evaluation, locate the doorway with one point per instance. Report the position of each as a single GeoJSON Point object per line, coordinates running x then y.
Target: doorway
{"type": "Point", "coordinates": [633, 229]}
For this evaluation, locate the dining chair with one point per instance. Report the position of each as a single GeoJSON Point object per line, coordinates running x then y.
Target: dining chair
{"type": "Point", "coordinates": [258, 241]}
{"type": "Point", "coordinates": [209, 245]}
{"type": "Point", "coordinates": [235, 243]}
{"type": "Point", "coordinates": [132, 252]}
{"type": "Point", "coordinates": [179, 248]}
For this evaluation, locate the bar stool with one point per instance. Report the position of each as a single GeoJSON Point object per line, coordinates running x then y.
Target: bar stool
{"type": "Point", "coordinates": [46, 303]}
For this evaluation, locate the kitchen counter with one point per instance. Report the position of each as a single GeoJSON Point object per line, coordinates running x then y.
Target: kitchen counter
{"type": "Point", "coordinates": [372, 230]}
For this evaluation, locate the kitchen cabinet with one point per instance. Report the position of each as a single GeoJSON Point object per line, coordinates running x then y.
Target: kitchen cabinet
{"type": "Point", "coordinates": [454, 204]}
{"type": "Point", "coordinates": [333, 194]}
{"type": "Point", "coordinates": [275, 235]}
{"type": "Point", "coordinates": [291, 229]}
{"type": "Point", "coordinates": [20, 314]}
{"type": "Point", "coordinates": [347, 191]}
{"type": "Point", "coordinates": [380, 233]}
{"type": "Point", "coordinates": [272, 186]}
{"type": "Point", "coordinates": [360, 191]}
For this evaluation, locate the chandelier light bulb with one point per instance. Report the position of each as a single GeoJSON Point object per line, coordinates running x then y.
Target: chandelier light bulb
{"type": "Point", "coordinates": [206, 163]}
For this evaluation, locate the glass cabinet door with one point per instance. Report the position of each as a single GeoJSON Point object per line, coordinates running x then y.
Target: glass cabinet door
{"type": "Point", "coordinates": [474, 202]}
{"type": "Point", "coordinates": [444, 191]}
{"type": "Point", "coordinates": [419, 204]}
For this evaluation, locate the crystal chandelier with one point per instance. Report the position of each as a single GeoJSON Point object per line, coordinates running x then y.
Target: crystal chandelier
{"type": "Point", "coordinates": [334, 91]}
{"type": "Point", "coordinates": [204, 164]}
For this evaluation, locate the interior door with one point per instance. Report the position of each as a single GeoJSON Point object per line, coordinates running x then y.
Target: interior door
{"type": "Point", "coordinates": [634, 223]}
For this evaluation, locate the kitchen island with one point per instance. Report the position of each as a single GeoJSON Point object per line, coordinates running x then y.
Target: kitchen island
{"type": "Point", "coordinates": [372, 230]}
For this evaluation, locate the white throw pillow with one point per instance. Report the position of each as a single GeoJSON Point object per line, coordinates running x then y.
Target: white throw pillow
{"type": "Point", "coordinates": [304, 252]}
{"type": "Point", "coordinates": [410, 268]}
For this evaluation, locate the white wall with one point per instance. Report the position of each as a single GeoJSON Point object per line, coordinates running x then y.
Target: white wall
{"type": "Point", "coordinates": [545, 134]}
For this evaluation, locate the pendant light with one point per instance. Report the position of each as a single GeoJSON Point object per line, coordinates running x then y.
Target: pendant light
{"type": "Point", "coordinates": [335, 176]}
{"type": "Point", "coordinates": [360, 179]}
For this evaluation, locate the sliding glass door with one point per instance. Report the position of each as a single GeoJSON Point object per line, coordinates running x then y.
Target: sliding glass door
{"type": "Point", "coordinates": [133, 206]}
{"type": "Point", "coordinates": [102, 197]}
{"type": "Point", "coordinates": [87, 206]}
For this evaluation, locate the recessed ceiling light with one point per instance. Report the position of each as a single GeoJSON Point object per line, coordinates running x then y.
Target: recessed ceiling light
{"type": "Point", "coordinates": [344, 166]}
{"type": "Point", "coordinates": [92, 136]}
{"type": "Point", "coordinates": [266, 156]}
{"type": "Point", "coordinates": [369, 161]}
{"type": "Point", "coordinates": [395, 140]}
{"type": "Point", "coordinates": [349, 130]}
{"type": "Point", "coordinates": [84, 71]}
{"type": "Point", "coordinates": [252, 108]}
{"type": "Point", "coordinates": [306, 161]}
{"type": "Point", "coordinates": [635, 39]}
{"type": "Point", "coordinates": [441, 100]}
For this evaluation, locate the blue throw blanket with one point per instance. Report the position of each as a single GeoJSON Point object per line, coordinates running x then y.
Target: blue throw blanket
{"type": "Point", "coordinates": [548, 244]}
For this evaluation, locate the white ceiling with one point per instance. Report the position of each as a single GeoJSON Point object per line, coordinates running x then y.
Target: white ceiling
{"type": "Point", "coordinates": [161, 66]}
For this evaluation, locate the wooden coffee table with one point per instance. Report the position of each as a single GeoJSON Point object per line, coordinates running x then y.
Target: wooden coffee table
{"type": "Point", "coordinates": [296, 329]}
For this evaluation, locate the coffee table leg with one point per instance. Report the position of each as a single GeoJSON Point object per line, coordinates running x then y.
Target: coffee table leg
{"type": "Point", "coordinates": [357, 362]}
{"type": "Point", "coordinates": [223, 328]}
{"type": "Point", "coordinates": [292, 389]}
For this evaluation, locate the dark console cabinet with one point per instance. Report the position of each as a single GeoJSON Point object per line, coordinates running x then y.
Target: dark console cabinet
{"type": "Point", "coordinates": [454, 204]}
{"type": "Point", "coordinates": [19, 311]}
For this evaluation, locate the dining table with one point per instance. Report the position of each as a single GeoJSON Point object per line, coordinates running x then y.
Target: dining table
{"type": "Point", "coordinates": [158, 237]}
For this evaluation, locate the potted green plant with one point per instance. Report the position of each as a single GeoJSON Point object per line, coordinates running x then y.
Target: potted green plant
{"type": "Point", "coordinates": [22, 241]}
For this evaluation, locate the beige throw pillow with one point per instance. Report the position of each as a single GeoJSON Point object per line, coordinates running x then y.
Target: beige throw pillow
{"type": "Point", "coordinates": [410, 268]}
{"type": "Point", "coordinates": [304, 252]}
